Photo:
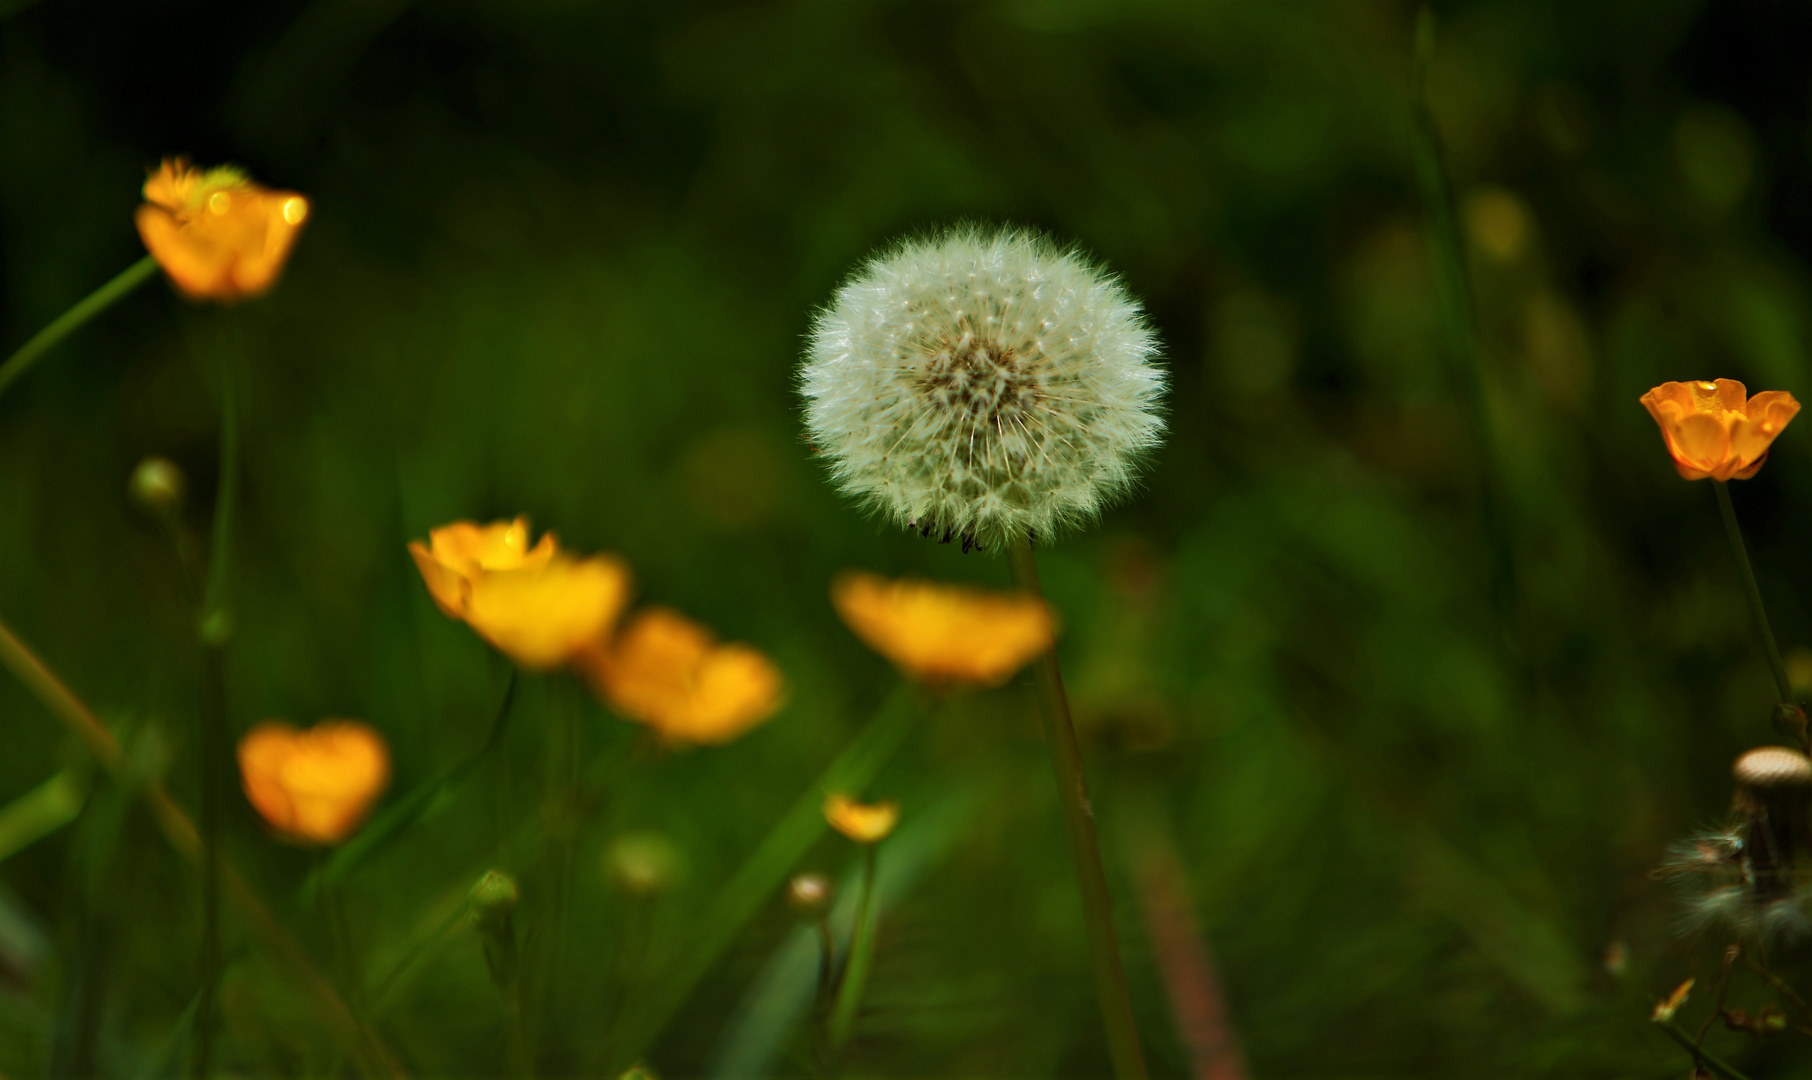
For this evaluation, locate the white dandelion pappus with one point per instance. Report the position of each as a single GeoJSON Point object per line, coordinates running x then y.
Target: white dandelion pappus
{"type": "Point", "coordinates": [983, 384]}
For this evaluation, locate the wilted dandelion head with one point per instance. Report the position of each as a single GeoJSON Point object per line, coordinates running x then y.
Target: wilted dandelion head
{"type": "Point", "coordinates": [983, 383]}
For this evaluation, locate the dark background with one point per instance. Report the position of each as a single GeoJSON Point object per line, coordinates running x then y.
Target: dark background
{"type": "Point", "coordinates": [561, 262]}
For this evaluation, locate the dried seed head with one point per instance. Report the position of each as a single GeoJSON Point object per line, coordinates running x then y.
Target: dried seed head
{"type": "Point", "coordinates": [981, 384]}
{"type": "Point", "coordinates": [1774, 769]}
{"type": "Point", "coordinates": [1774, 788]}
{"type": "Point", "coordinates": [809, 895]}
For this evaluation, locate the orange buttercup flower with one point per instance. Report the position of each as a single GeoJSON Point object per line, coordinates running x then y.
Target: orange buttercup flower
{"type": "Point", "coordinates": [666, 671]}
{"type": "Point", "coordinates": [218, 235]}
{"type": "Point", "coordinates": [537, 604]}
{"type": "Point", "coordinates": [1713, 430]}
{"type": "Point", "coordinates": [313, 786]}
{"type": "Point", "coordinates": [945, 633]}
{"type": "Point", "coordinates": [865, 823]}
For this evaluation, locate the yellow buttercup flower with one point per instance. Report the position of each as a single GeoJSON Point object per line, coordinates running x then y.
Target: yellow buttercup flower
{"type": "Point", "coordinates": [218, 235]}
{"type": "Point", "coordinates": [865, 823]}
{"type": "Point", "coordinates": [666, 671]}
{"type": "Point", "coordinates": [1714, 431]}
{"type": "Point", "coordinates": [945, 633]}
{"type": "Point", "coordinates": [313, 786]}
{"type": "Point", "coordinates": [535, 603]}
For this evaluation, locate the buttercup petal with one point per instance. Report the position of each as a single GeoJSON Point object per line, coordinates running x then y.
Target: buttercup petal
{"type": "Point", "coordinates": [1727, 395]}
{"type": "Point", "coordinates": [667, 672]}
{"type": "Point", "coordinates": [216, 234]}
{"type": "Point", "coordinates": [314, 786]}
{"type": "Point", "coordinates": [865, 823]}
{"type": "Point", "coordinates": [541, 616]}
{"type": "Point", "coordinates": [449, 588]}
{"type": "Point", "coordinates": [1702, 442]}
{"type": "Point", "coordinates": [944, 633]}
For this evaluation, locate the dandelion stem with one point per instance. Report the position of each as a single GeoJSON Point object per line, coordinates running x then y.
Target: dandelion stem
{"type": "Point", "coordinates": [1757, 614]}
{"type": "Point", "coordinates": [861, 952]}
{"type": "Point", "coordinates": [63, 325]}
{"type": "Point", "coordinates": [180, 831]}
{"type": "Point", "coordinates": [1085, 849]}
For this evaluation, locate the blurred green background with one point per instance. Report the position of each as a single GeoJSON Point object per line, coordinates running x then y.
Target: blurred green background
{"type": "Point", "coordinates": [562, 258]}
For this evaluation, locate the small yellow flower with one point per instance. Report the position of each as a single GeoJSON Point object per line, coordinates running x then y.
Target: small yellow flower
{"type": "Point", "coordinates": [218, 235]}
{"type": "Point", "coordinates": [537, 604]}
{"type": "Point", "coordinates": [665, 671]}
{"type": "Point", "coordinates": [944, 633]}
{"type": "Point", "coordinates": [1714, 431]}
{"type": "Point", "coordinates": [865, 823]}
{"type": "Point", "coordinates": [313, 786]}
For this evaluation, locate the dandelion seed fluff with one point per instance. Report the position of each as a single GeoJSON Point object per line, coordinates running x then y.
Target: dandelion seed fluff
{"type": "Point", "coordinates": [983, 383]}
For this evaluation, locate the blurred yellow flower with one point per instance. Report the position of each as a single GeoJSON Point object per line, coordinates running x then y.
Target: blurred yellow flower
{"type": "Point", "coordinates": [944, 633]}
{"type": "Point", "coordinates": [865, 823]}
{"type": "Point", "coordinates": [218, 235]}
{"type": "Point", "coordinates": [537, 604]}
{"type": "Point", "coordinates": [665, 671]}
{"type": "Point", "coordinates": [1712, 430]}
{"type": "Point", "coordinates": [313, 786]}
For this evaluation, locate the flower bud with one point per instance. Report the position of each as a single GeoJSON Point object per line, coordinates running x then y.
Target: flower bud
{"type": "Point", "coordinates": [1790, 720]}
{"type": "Point", "coordinates": [493, 902]}
{"type": "Point", "coordinates": [157, 486]}
{"type": "Point", "coordinates": [494, 898]}
{"type": "Point", "coordinates": [810, 896]}
{"type": "Point", "coordinates": [642, 863]}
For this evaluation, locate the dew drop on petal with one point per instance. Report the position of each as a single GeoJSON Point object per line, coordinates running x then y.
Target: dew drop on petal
{"type": "Point", "coordinates": [295, 209]}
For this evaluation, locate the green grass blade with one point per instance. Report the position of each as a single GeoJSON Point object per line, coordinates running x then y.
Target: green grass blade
{"type": "Point", "coordinates": [390, 824]}
{"type": "Point", "coordinates": [782, 994]}
{"type": "Point", "coordinates": [761, 875]}
{"type": "Point", "coordinates": [41, 811]}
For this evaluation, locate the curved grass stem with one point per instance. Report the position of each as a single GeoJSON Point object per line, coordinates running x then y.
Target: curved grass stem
{"type": "Point", "coordinates": [1758, 615]}
{"type": "Point", "coordinates": [67, 323]}
{"type": "Point", "coordinates": [179, 829]}
{"type": "Point", "coordinates": [1085, 849]}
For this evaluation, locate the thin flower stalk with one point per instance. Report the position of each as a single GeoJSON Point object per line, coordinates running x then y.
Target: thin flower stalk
{"type": "Point", "coordinates": [1758, 615]}
{"type": "Point", "coordinates": [216, 742]}
{"type": "Point", "coordinates": [1085, 849]}
{"type": "Point", "coordinates": [861, 957]}
{"type": "Point", "coordinates": [72, 320]}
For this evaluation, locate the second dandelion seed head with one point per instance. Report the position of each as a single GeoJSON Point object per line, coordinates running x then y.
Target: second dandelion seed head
{"type": "Point", "coordinates": [982, 384]}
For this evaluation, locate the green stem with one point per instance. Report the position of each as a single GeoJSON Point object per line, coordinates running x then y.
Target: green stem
{"type": "Point", "coordinates": [1460, 321]}
{"type": "Point", "coordinates": [1700, 1056]}
{"type": "Point", "coordinates": [827, 954]}
{"type": "Point", "coordinates": [1757, 614]}
{"type": "Point", "coordinates": [1079, 818]}
{"type": "Point", "coordinates": [861, 953]}
{"type": "Point", "coordinates": [87, 308]}
{"type": "Point", "coordinates": [215, 738]}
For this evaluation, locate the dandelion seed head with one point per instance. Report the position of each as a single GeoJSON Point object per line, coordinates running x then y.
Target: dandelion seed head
{"type": "Point", "coordinates": [983, 383]}
{"type": "Point", "coordinates": [1771, 768]}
